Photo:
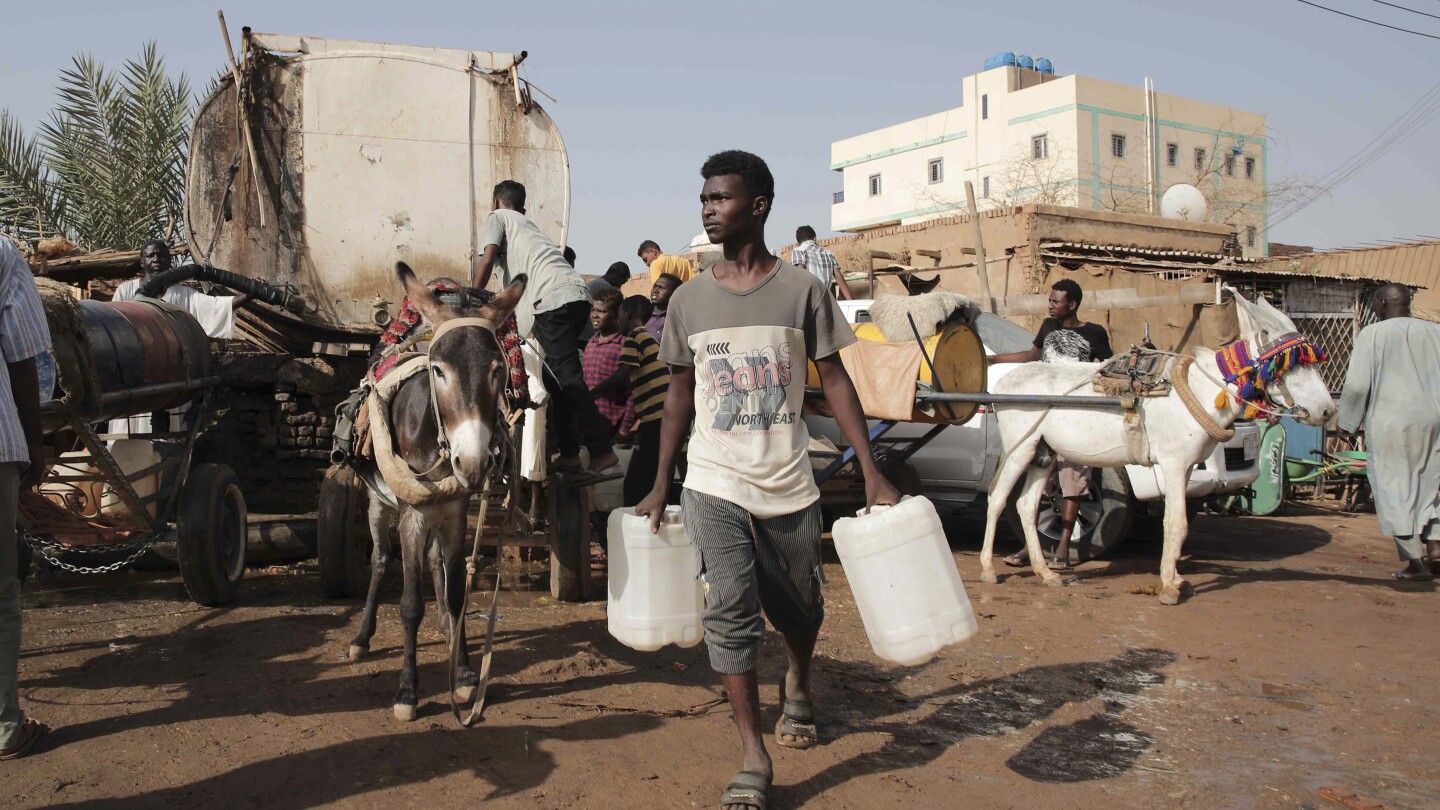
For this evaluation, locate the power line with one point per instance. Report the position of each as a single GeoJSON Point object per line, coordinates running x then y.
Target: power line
{"type": "Point", "coordinates": [1411, 10]}
{"type": "Point", "coordinates": [1372, 22]}
{"type": "Point", "coordinates": [1425, 109]}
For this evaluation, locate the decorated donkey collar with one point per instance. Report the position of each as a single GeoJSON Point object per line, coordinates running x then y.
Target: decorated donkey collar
{"type": "Point", "coordinates": [1254, 375]}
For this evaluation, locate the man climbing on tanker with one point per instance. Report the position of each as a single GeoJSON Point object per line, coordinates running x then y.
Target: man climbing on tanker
{"type": "Point", "coordinates": [555, 309]}
{"type": "Point", "coordinates": [737, 340]}
{"type": "Point", "coordinates": [1063, 338]}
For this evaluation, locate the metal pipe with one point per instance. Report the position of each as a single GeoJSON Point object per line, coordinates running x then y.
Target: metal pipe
{"type": "Point", "coordinates": [1024, 399]}
{"type": "Point", "coordinates": [55, 407]}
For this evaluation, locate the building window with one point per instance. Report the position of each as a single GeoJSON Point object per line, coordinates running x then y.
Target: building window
{"type": "Point", "coordinates": [985, 187]}
{"type": "Point", "coordinates": [1172, 154]}
{"type": "Point", "coordinates": [937, 169]}
{"type": "Point", "coordinates": [874, 185]}
{"type": "Point", "coordinates": [1117, 145]}
{"type": "Point", "coordinates": [1200, 160]}
{"type": "Point", "coordinates": [1040, 147]}
{"type": "Point", "coordinates": [1229, 164]}
{"type": "Point", "coordinates": [1249, 236]}
{"type": "Point", "coordinates": [985, 107]}
{"type": "Point", "coordinates": [1249, 168]}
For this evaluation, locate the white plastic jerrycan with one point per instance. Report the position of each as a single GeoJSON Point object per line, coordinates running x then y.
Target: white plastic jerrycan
{"type": "Point", "coordinates": [655, 597]}
{"type": "Point", "coordinates": [905, 581]}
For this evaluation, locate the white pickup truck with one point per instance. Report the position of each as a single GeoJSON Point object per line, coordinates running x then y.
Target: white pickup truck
{"type": "Point", "coordinates": [955, 468]}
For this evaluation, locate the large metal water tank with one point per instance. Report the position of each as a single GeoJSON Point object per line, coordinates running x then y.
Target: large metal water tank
{"type": "Point", "coordinates": [368, 153]}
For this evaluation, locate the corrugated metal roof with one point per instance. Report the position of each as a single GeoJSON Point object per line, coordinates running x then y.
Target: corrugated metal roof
{"type": "Point", "coordinates": [1416, 264]}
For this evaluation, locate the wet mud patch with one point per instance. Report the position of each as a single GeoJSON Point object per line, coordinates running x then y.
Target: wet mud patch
{"type": "Point", "coordinates": [1098, 747]}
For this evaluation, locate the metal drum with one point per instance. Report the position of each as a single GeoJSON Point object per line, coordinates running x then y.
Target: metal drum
{"type": "Point", "coordinates": [959, 359]}
{"type": "Point", "coordinates": [148, 348]}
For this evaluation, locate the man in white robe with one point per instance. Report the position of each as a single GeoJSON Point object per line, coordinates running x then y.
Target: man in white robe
{"type": "Point", "coordinates": [1393, 389]}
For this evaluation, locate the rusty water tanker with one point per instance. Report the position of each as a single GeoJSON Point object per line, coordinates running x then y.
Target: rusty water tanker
{"type": "Point", "coordinates": [362, 154]}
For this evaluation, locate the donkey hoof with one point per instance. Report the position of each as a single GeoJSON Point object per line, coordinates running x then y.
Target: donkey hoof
{"type": "Point", "coordinates": [1186, 589]}
{"type": "Point", "coordinates": [404, 712]}
{"type": "Point", "coordinates": [464, 693]}
{"type": "Point", "coordinates": [989, 578]}
{"type": "Point", "coordinates": [357, 652]}
{"type": "Point", "coordinates": [1054, 581]}
{"type": "Point", "coordinates": [1170, 596]}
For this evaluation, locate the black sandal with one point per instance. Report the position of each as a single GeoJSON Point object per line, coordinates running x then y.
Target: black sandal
{"type": "Point", "coordinates": [747, 789]}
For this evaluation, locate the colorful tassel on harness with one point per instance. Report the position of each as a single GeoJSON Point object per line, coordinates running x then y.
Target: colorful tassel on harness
{"type": "Point", "coordinates": [1222, 400]}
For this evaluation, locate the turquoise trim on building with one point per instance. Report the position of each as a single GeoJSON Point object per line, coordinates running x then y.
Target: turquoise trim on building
{"type": "Point", "coordinates": [1043, 114]}
{"type": "Point", "coordinates": [909, 147]}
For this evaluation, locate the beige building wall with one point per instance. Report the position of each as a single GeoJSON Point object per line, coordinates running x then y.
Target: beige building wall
{"type": "Point", "coordinates": [990, 141]}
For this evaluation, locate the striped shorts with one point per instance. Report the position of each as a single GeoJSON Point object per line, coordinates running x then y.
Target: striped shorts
{"type": "Point", "coordinates": [749, 563]}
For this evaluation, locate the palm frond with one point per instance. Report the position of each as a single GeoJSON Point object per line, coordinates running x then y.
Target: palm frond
{"type": "Point", "coordinates": [31, 204]}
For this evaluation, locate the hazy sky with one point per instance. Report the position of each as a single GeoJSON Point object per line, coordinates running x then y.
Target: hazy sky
{"type": "Point", "coordinates": [647, 90]}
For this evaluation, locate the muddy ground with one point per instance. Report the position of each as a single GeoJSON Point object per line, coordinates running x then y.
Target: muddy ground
{"type": "Point", "coordinates": [1298, 663]}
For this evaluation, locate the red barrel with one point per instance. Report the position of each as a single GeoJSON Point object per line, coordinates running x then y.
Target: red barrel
{"type": "Point", "coordinates": [139, 344]}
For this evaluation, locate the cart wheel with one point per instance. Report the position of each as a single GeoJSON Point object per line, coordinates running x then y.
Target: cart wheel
{"type": "Point", "coordinates": [211, 531]}
{"type": "Point", "coordinates": [1103, 524]}
{"type": "Point", "coordinates": [342, 538]}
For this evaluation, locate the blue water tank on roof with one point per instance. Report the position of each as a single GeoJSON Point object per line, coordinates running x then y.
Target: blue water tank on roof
{"type": "Point", "coordinates": [1026, 62]}
{"type": "Point", "coordinates": [1001, 59]}
{"type": "Point", "coordinates": [1044, 66]}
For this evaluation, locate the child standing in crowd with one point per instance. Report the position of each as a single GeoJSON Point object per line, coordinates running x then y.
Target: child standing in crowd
{"type": "Point", "coordinates": [608, 383]}
{"type": "Point", "coordinates": [660, 292]}
{"type": "Point", "coordinates": [649, 382]}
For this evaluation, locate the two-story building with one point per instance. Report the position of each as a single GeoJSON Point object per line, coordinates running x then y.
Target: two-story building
{"type": "Point", "coordinates": [1023, 134]}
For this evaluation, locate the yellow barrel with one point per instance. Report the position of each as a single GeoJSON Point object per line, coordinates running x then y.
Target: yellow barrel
{"type": "Point", "coordinates": [959, 359]}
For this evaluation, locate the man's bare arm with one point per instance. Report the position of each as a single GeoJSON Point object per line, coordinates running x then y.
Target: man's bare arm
{"type": "Point", "coordinates": [1028, 356]}
{"type": "Point", "coordinates": [845, 294]}
{"type": "Point", "coordinates": [850, 418]}
{"type": "Point", "coordinates": [484, 266]}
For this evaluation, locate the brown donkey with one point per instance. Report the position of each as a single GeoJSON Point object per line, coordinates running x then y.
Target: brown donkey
{"type": "Point", "coordinates": [444, 422]}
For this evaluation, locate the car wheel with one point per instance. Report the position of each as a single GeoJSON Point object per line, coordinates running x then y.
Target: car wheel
{"type": "Point", "coordinates": [1103, 523]}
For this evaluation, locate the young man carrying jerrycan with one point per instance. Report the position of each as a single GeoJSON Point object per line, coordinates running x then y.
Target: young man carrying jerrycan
{"type": "Point", "coordinates": [737, 340]}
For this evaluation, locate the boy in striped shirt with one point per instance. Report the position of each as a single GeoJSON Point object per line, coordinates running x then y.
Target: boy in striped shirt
{"type": "Point", "coordinates": [649, 381]}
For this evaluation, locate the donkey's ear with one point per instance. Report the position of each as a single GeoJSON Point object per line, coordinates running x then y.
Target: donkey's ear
{"type": "Point", "coordinates": [504, 303]}
{"type": "Point", "coordinates": [434, 310]}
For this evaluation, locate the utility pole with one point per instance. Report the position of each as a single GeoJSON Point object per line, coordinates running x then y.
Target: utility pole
{"type": "Point", "coordinates": [985, 299]}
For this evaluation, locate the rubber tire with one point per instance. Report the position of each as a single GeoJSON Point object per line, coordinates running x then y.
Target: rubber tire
{"type": "Point", "coordinates": [211, 534]}
{"type": "Point", "coordinates": [1112, 525]}
{"type": "Point", "coordinates": [342, 536]}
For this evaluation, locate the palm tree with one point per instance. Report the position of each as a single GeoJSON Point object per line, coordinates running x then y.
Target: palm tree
{"type": "Point", "coordinates": [107, 170]}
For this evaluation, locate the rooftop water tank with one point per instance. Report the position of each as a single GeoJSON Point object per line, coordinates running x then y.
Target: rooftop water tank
{"type": "Point", "coordinates": [1001, 59]}
{"type": "Point", "coordinates": [1044, 66]}
{"type": "Point", "coordinates": [1026, 62]}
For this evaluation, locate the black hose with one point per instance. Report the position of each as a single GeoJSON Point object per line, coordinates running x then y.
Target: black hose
{"type": "Point", "coordinates": [154, 286]}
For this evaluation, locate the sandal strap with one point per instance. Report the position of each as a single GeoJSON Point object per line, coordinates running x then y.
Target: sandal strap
{"type": "Point", "coordinates": [748, 788]}
{"type": "Point", "coordinates": [799, 711]}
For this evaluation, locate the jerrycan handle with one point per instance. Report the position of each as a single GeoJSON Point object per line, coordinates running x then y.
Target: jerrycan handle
{"type": "Point", "coordinates": [863, 511]}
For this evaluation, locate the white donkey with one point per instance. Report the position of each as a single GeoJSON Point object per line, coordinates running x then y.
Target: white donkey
{"type": "Point", "coordinates": [1173, 438]}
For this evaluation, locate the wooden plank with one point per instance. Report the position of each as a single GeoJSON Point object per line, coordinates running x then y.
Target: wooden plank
{"type": "Point", "coordinates": [569, 540]}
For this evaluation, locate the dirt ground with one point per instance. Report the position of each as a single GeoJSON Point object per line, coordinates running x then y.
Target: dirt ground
{"type": "Point", "coordinates": [1298, 663]}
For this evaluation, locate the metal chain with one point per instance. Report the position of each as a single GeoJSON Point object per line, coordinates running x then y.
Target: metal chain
{"type": "Point", "coordinates": [43, 545]}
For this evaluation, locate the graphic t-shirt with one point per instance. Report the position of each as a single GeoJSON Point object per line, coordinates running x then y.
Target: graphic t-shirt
{"type": "Point", "coordinates": [749, 351]}
{"type": "Point", "coordinates": [1085, 343]}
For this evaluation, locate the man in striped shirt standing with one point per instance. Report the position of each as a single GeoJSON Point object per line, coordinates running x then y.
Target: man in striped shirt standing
{"type": "Point", "coordinates": [821, 263]}
{"type": "Point", "coordinates": [649, 382]}
{"type": "Point", "coordinates": [23, 335]}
